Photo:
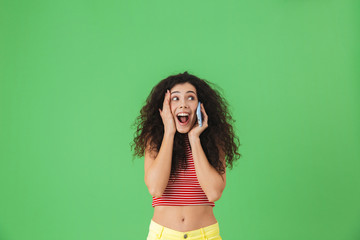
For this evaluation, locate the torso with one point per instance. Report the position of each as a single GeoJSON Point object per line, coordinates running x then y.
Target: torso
{"type": "Point", "coordinates": [184, 218]}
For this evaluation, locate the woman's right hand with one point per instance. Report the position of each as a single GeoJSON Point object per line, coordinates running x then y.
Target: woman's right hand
{"type": "Point", "coordinates": [166, 115]}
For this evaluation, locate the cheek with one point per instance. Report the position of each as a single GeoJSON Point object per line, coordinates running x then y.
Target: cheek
{"type": "Point", "coordinates": [172, 108]}
{"type": "Point", "coordinates": [194, 109]}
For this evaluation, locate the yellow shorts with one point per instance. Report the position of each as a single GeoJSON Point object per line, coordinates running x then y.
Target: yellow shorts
{"type": "Point", "coordinates": [159, 232]}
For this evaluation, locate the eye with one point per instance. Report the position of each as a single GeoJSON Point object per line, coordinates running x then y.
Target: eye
{"type": "Point", "coordinates": [176, 98]}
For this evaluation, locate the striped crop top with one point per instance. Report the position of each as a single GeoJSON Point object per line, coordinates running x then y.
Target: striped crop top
{"type": "Point", "coordinates": [185, 190]}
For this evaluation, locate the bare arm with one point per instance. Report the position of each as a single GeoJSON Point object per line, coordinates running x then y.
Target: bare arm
{"type": "Point", "coordinates": [158, 164]}
{"type": "Point", "coordinates": [157, 169]}
{"type": "Point", "coordinates": [210, 180]}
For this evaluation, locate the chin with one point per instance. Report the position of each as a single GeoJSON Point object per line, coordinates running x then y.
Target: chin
{"type": "Point", "coordinates": [183, 130]}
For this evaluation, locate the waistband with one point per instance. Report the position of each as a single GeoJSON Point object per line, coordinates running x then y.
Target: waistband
{"type": "Point", "coordinates": [201, 233]}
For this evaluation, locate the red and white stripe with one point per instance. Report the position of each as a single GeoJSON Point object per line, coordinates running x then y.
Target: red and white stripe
{"type": "Point", "coordinates": [185, 190]}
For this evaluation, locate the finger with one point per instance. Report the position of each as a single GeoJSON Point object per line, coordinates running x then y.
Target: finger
{"type": "Point", "coordinates": [167, 96]}
{"type": "Point", "coordinates": [166, 100]}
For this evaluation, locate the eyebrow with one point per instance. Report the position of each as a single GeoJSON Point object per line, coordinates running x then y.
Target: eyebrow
{"type": "Point", "coordinates": [186, 92]}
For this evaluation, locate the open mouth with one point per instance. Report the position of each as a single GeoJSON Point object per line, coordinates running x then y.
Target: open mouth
{"type": "Point", "coordinates": [183, 118]}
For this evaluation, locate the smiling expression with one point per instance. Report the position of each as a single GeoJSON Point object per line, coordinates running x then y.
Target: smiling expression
{"type": "Point", "coordinates": [183, 104]}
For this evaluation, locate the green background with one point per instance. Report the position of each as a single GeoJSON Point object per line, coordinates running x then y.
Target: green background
{"type": "Point", "coordinates": [74, 75]}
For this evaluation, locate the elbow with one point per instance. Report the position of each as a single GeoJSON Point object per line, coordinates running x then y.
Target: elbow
{"type": "Point", "coordinates": [211, 199]}
{"type": "Point", "coordinates": [155, 193]}
{"type": "Point", "coordinates": [215, 197]}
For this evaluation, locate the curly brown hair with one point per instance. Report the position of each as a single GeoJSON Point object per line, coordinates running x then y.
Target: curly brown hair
{"type": "Point", "coordinates": [219, 133]}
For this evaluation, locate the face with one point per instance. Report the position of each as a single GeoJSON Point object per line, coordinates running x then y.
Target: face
{"type": "Point", "coordinates": [183, 104]}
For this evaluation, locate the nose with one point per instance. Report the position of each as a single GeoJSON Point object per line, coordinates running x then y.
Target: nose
{"type": "Point", "coordinates": [183, 105]}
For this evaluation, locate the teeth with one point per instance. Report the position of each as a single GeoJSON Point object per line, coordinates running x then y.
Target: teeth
{"type": "Point", "coordinates": [183, 114]}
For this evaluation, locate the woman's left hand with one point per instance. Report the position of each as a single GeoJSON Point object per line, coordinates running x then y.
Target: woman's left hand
{"type": "Point", "coordinates": [196, 129]}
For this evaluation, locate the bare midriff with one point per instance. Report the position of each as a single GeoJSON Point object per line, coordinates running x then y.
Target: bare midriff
{"type": "Point", "coordinates": [184, 218]}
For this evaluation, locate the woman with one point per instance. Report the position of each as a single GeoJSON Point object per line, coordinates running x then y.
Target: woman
{"type": "Point", "coordinates": [185, 163]}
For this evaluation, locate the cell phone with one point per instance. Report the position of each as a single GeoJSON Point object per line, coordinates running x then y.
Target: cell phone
{"type": "Point", "coordinates": [198, 114]}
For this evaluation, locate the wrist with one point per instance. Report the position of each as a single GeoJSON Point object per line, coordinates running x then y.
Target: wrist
{"type": "Point", "coordinates": [169, 134]}
{"type": "Point", "coordinates": [193, 138]}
